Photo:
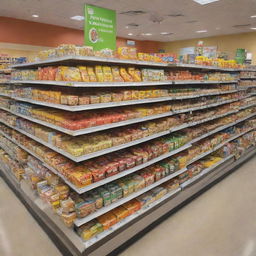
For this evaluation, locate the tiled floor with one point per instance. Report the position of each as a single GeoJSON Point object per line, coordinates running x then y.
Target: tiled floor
{"type": "Point", "coordinates": [221, 222]}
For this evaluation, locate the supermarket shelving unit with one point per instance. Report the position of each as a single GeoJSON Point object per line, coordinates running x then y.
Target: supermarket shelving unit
{"type": "Point", "coordinates": [134, 225]}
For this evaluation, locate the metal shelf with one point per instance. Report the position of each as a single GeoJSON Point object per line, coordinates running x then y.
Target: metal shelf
{"type": "Point", "coordinates": [113, 104]}
{"type": "Point", "coordinates": [91, 59]}
{"type": "Point", "coordinates": [247, 78]}
{"type": "Point", "coordinates": [203, 173]}
{"type": "Point", "coordinates": [86, 59]}
{"type": "Point", "coordinates": [118, 84]}
{"type": "Point", "coordinates": [218, 146]}
{"type": "Point", "coordinates": [113, 125]}
{"type": "Point", "coordinates": [81, 221]}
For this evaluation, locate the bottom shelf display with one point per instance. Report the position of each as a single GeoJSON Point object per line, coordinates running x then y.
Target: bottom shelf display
{"type": "Point", "coordinates": [12, 160]}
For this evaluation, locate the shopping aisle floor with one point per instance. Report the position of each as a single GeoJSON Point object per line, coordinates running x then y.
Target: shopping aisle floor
{"type": "Point", "coordinates": [221, 222]}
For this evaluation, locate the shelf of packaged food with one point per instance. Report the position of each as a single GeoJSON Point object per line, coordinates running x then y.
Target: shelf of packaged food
{"type": "Point", "coordinates": [247, 77]}
{"type": "Point", "coordinates": [123, 173]}
{"type": "Point", "coordinates": [118, 84]}
{"type": "Point", "coordinates": [130, 218]}
{"type": "Point", "coordinates": [107, 180]}
{"type": "Point", "coordinates": [252, 93]}
{"type": "Point", "coordinates": [219, 146]}
{"type": "Point", "coordinates": [113, 104]}
{"type": "Point", "coordinates": [117, 124]}
{"type": "Point", "coordinates": [204, 172]}
{"type": "Point", "coordinates": [5, 71]}
{"type": "Point", "coordinates": [248, 106]}
{"type": "Point", "coordinates": [115, 148]}
{"type": "Point", "coordinates": [81, 221]}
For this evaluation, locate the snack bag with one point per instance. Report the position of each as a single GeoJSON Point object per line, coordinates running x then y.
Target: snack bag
{"type": "Point", "coordinates": [84, 74]}
{"type": "Point", "coordinates": [99, 73]}
{"type": "Point", "coordinates": [69, 74]}
{"type": "Point", "coordinates": [125, 75]}
{"type": "Point", "coordinates": [135, 74]}
{"type": "Point", "coordinates": [132, 53]}
{"type": "Point", "coordinates": [123, 52]}
{"type": "Point", "coordinates": [91, 74]}
{"type": "Point", "coordinates": [116, 75]}
{"type": "Point", "coordinates": [107, 74]}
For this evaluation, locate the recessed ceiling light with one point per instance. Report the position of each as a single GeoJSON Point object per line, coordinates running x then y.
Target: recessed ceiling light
{"type": "Point", "coordinates": [35, 16]}
{"type": "Point", "coordinates": [126, 26]}
{"type": "Point", "coordinates": [130, 34]}
{"type": "Point", "coordinates": [253, 16]}
{"type": "Point", "coordinates": [253, 28]}
{"type": "Point", "coordinates": [77, 17]}
{"type": "Point", "coordinates": [201, 31]}
{"type": "Point", "coordinates": [164, 33]}
{"type": "Point", "coordinates": [203, 2]}
{"type": "Point", "coordinates": [146, 34]}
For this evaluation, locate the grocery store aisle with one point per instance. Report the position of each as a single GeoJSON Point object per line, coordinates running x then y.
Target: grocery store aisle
{"type": "Point", "coordinates": [20, 235]}
{"type": "Point", "coordinates": [219, 222]}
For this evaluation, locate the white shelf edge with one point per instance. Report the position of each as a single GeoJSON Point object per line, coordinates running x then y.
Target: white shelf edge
{"type": "Point", "coordinates": [101, 211]}
{"type": "Point", "coordinates": [118, 84]}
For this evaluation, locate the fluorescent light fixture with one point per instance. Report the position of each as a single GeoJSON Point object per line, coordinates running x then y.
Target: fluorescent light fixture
{"type": "Point", "coordinates": [146, 34]}
{"type": "Point", "coordinates": [253, 28]}
{"type": "Point", "coordinates": [201, 31]}
{"type": "Point", "coordinates": [203, 2]}
{"type": "Point", "coordinates": [165, 33]}
{"type": "Point", "coordinates": [77, 17]}
{"type": "Point", "coordinates": [130, 34]}
{"type": "Point", "coordinates": [35, 16]}
{"type": "Point", "coordinates": [253, 16]}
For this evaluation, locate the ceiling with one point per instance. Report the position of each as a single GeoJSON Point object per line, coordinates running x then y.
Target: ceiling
{"type": "Point", "coordinates": [182, 18]}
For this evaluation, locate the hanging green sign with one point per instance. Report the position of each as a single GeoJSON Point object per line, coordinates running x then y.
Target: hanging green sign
{"type": "Point", "coordinates": [99, 27]}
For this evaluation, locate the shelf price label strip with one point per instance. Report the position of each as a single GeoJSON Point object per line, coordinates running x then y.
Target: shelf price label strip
{"type": "Point", "coordinates": [119, 84]}
{"type": "Point", "coordinates": [113, 104]}
{"type": "Point", "coordinates": [114, 125]}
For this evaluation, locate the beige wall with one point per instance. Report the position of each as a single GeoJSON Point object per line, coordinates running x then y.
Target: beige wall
{"type": "Point", "coordinates": [225, 43]}
{"type": "Point", "coordinates": [20, 50]}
